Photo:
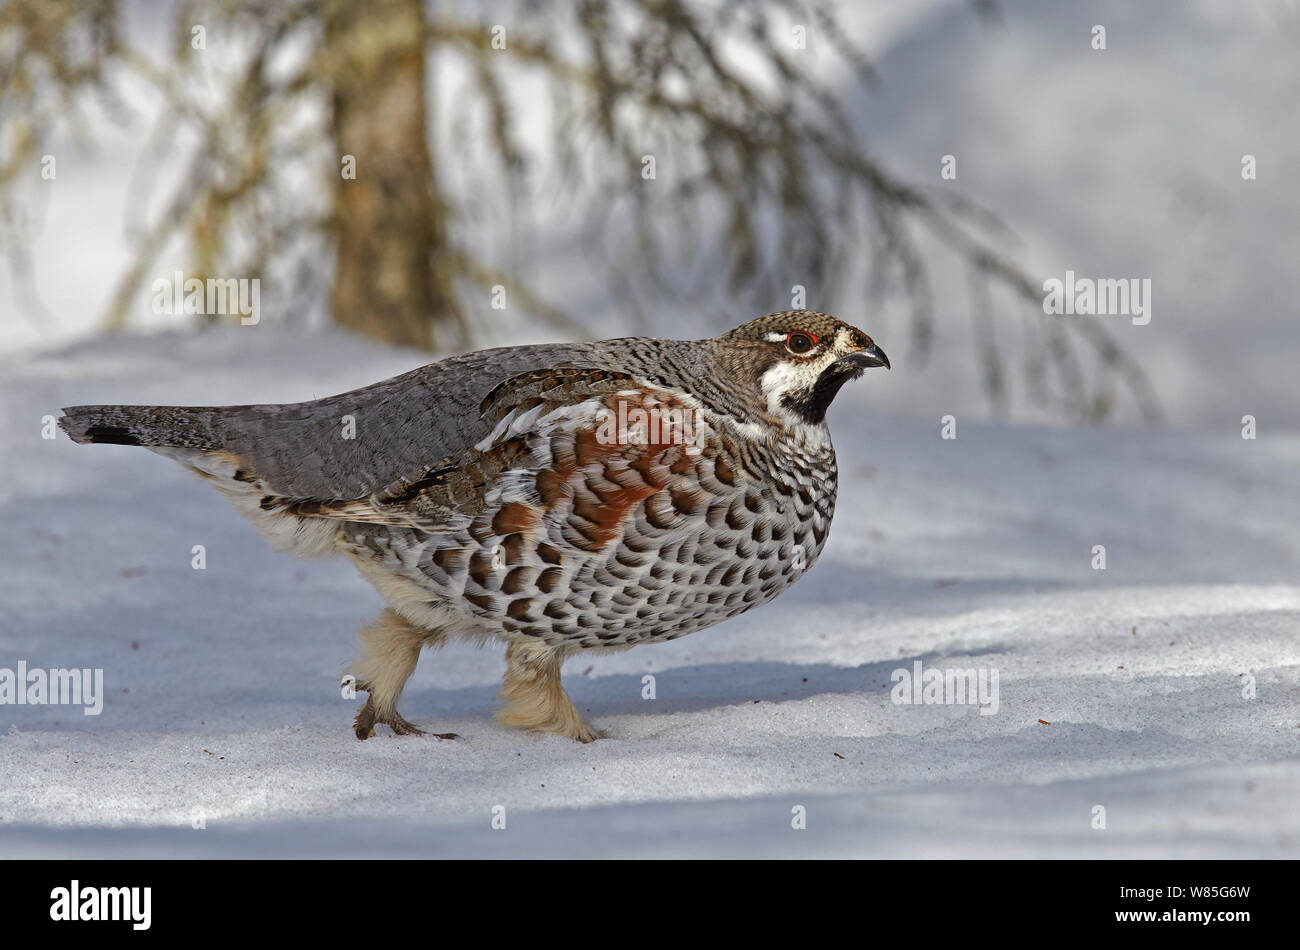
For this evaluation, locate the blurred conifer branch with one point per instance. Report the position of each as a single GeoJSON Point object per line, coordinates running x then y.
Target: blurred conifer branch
{"type": "Point", "coordinates": [769, 177]}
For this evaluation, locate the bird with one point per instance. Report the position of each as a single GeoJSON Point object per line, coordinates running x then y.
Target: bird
{"type": "Point", "coordinates": [555, 497]}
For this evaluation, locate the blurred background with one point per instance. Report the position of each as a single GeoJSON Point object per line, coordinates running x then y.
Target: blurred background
{"type": "Point", "coordinates": [447, 176]}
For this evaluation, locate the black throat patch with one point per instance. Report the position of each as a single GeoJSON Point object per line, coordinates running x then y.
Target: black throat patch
{"type": "Point", "coordinates": [811, 404]}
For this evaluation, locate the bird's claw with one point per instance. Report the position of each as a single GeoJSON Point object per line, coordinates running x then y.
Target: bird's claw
{"type": "Point", "coordinates": [367, 719]}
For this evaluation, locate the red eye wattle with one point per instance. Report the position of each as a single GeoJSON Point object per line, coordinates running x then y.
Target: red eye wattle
{"type": "Point", "coordinates": [800, 343]}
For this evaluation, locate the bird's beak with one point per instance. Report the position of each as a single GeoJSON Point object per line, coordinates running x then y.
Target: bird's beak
{"type": "Point", "coordinates": [871, 355]}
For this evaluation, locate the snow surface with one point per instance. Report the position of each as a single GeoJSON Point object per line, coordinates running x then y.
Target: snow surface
{"type": "Point", "coordinates": [966, 553]}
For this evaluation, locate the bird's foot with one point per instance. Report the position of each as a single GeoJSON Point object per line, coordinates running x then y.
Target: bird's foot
{"type": "Point", "coordinates": [367, 719]}
{"type": "Point", "coordinates": [584, 732]}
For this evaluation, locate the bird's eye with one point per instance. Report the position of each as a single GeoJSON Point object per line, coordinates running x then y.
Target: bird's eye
{"type": "Point", "coordinates": [800, 343]}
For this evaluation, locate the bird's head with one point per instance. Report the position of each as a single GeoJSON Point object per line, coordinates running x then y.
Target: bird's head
{"type": "Point", "coordinates": [799, 359]}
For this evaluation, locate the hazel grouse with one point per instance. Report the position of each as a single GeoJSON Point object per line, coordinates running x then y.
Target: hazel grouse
{"type": "Point", "coordinates": [560, 498]}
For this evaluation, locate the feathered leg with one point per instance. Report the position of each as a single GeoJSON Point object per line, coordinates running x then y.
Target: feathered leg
{"type": "Point", "coordinates": [390, 648]}
{"type": "Point", "coordinates": [535, 698]}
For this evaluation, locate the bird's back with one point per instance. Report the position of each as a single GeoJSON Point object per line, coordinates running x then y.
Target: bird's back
{"type": "Point", "coordinates": [355, 443]}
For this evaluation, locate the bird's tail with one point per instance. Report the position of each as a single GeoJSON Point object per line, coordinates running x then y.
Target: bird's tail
{"type": "Point", "coordinates": [217, 443]}
{"type": "Point", "coordinates": [150, 426]}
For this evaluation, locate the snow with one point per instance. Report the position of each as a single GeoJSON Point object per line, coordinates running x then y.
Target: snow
{"type": "Point", "coordinates": [971, 553]}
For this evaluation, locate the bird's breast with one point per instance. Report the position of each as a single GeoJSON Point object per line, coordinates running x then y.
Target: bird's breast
{"type": "Point", "coordinates": [640, 520]}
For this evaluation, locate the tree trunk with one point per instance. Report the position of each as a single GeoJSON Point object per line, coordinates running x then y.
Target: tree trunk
{"type": "Point", "coordinates": [388, 226]}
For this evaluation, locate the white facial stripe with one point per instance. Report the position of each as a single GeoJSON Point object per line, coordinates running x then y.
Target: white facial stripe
{"type": "Point", "coordinates": [785, 377]}
{"type": "Point", "coordinates": [790, 375]}
{"type": "Point", "coordinates": [781, 378]}
{"type": "Point", "coordinates": [775, 338]}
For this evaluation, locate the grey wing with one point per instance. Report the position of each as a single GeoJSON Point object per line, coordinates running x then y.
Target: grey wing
{"type": "Point", "coordinates": [362, 442]}
{"type": "Point", "coordinates": [399, 452]}
{"type": "Point", "coordinates": [457, 486]}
